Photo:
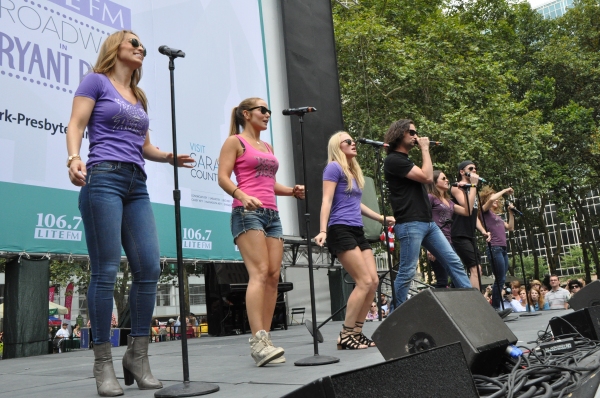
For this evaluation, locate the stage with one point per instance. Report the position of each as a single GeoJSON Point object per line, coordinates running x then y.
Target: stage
{"type": "Point", "coordinates": [221, 360]}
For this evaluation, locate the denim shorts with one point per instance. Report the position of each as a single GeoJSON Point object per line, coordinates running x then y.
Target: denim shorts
{"type": "Point", "coordinates": [265, 220]}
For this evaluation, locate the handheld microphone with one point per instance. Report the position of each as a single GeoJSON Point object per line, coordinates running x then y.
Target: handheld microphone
{"type": "Point", "coordinates": [371, 142]}
{"type": "Point", "coordinates": [456, 184]}
{"type": "Point", "coordinates": [171, 52]}
{"type": "Point", "coordinates": [514, 209]}
{"type": "Point", "coordinates": [435, 143]}
{"type": "Point", "coordinates": [480, 178]}
{"type": "Point", "coordinates": [299, 111]}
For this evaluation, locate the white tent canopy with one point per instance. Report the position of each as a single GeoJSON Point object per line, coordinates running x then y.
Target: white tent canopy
{"type": "Point", "coordinates": [60, 309]}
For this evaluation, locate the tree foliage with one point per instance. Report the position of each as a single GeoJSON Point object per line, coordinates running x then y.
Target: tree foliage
{"type": "Point", "coordinates": [492, 80]}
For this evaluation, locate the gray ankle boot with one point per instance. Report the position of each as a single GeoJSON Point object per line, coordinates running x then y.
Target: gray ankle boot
{"type": "Point", "coordinates": [106, 381]}
{"type": "Point", "coordinates": [136, 365]}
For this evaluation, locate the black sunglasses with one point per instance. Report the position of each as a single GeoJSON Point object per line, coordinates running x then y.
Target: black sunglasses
{"type": "Point", "coordinates": [444, 178]}
{"type": "Point", "coordinates": [412, 132]}
{"type": "Point", "coordinates": [472, 168]}
{"type": "Point", "coordinates": [136, 43]}
{"type": "Point", "coordinates": [349, 141]}
{"type": "Point", "coordinates": [263, 109]}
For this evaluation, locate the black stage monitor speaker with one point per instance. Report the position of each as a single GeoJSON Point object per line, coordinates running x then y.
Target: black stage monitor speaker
{"type": "Point", "coordinates": [439, 317]}
{"type": "Point", "coordinates": [441, 372]}
{"type": "Point", "coordinates": [585, 321]}
{"type": "Point", "coordinates": [589, 296]}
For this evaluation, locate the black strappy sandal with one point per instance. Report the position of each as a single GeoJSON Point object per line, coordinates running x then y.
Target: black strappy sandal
{"type": "Point", "coordinates": [361, 338]}
{"type": "Point", "coordinates": [347, 340]}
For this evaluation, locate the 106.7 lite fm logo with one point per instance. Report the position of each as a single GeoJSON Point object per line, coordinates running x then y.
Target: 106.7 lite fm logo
{"type": "Point", "coordinates": [196, 239]}
{"type": "Point", "coordinates": [63, 227]}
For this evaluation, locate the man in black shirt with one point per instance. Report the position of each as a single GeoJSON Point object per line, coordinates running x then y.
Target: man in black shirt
{"type": "Point", "coordinates": [412, 211]}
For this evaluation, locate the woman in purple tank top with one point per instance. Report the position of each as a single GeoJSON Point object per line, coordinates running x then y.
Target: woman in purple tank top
{"type": "Point", "coordinates": [342, 226]}
{"type": "Point", "coordinates": [255, 223]}
{"type": "Point", "coordinates": [442, 210]}
{"type": "Point", "coordinates": [114, 202]}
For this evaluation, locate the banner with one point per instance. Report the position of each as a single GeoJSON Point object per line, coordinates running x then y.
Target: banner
{"type": "Point", "coordinates": [51, 293]}
{"type": "Point", "coordinates": [47, 46]}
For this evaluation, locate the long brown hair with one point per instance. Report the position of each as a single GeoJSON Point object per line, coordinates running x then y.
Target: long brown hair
{"type": "Point", "coordinates": [540, 297]}
{"type": "Point", "coordinates": [485, 194]}
{"type": "Point", "coordinates": [395, 134]}
{"type": "Point", "coordinates": [107, 59]}
{"type": "Point", "coordinates": [237, 115]}
{"type": "Point", "coordinates": [432, 188]}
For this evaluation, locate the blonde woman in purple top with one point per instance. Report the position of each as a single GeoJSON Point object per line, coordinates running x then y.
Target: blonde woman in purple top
{"type": "Point", "coordinates": [342, 227]}
{"type": "Point", "coordinates": [114, 202]}
{"type": "Point", "coordinates": [255, 223]}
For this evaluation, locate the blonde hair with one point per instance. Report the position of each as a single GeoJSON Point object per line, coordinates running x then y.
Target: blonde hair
{"type": "Point", "coordinates": [486, 193]}
{"type": "Point", "coordinates": [237, 115]}
{"type": "Point", "coordinates": [350, 168]}
{"type": "Point", "coordinates": [107, 59]}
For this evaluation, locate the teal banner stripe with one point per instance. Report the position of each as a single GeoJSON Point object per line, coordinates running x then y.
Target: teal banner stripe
{"type": "Point", "coordinates": [47, 220]}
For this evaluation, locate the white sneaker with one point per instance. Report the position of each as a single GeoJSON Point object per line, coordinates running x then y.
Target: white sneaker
{"type": "Point", "coordinates": [262, 352]}
{"type": "Point", "coordinates": [281, 359]}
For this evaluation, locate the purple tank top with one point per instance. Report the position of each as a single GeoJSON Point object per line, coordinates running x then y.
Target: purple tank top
{"type": "Point", "coordinates": [255, 174]}
{"type": "Point", "coordinates": [495, 225]}
{"type": "Point", "coordinates": [442, 215]}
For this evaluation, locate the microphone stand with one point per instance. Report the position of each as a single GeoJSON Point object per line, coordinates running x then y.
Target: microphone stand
{"type": "Point", "coordinates": [379, 178]}
{"type": "Point", "coordinates": [316, 359]}
{"type": "Point", "coordinates": [187, 389]}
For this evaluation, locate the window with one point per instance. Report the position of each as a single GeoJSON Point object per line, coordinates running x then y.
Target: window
{"type": "Point", "coordinates": [197, 294]}
{"type": "Point", "coordinates": [163, 295]}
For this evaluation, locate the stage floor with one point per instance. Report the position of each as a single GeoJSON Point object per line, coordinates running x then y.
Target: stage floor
{"type": "Point", "coordinates": [224, 361]}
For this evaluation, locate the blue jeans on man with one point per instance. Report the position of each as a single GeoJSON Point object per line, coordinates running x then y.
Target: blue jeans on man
{"type": "Point", "coordinates": [412, 235]}
{"type": "Point", "coordinates": [116, 211]}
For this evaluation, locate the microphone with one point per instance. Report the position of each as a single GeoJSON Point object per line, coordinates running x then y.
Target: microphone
{"type": "Point", "coordinates": [376, 144]}
{"type": "Point", "coordinates": [455, 184]}
{"type": "Point", "coordinates": [171, 52]}
{"type": "Point", "coordinates": [299, 111]}
{"type": "Point", "coordinates": [514, 209]}
{"type": "Point", "coordinates": [435, 143]}
{"type": "Point", "coordinates": [480, 178]}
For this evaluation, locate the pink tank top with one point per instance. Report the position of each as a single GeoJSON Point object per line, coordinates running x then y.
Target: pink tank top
{"type": "Point", "coordinates": [255, 174]}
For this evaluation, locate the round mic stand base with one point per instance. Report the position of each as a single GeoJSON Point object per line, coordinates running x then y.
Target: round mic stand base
{"type": "Point", "coordinates": [187, 389]}
{"type": "Point", "coordinates": [309, 326]}
{"type": "Point", "coordinates": [316, 360]}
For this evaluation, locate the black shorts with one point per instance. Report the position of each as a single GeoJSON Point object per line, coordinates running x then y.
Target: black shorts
{"type": "Point", "coordinates": [341, 238]}
{"type": "Point", "coordinates": [469, 255]}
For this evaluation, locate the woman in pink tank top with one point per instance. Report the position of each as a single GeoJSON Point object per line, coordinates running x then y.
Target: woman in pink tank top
{"type": "Point", "coordinates": [255, 222]}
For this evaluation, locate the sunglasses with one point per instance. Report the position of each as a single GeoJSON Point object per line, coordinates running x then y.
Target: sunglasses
{"type": "Point", "coordinates": [263, 109]}
{"type": "Point", "coordinates": [443, 178]}
{"type": "Point", "coordinates": [412, 132]}
{"type": "Point", "coordinates": [472, 168]}
{"type": "Point", "coordinates": [349, 141]}
{"type": "Point", "coordinates": [373, 306]}
{"type": "Point", "coordinates": [136, 43]}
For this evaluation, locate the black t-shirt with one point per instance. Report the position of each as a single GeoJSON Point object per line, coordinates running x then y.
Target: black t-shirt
{"type": "Point", "coordinates": [464, 226]}
{"type": "Point", "coordinates": [408, 197]}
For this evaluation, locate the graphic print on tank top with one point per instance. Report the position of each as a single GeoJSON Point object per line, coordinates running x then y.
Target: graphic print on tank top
{"type": "Point", "coordinates": [265, 167]}
{"type": "Point", "coordinates": [445, 215]}
{"type": "Point", "coordinates": [130, 118]}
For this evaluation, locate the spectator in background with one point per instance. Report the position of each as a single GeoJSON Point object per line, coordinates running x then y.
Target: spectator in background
{"type": "Point", "coordinates": [574, 286]}
{"type": "Point", "coordinates": [523, 296]}
{"type": "Point", "coordinates": [372, 314]}
{"type": "Point", "coordinates": [557, 297]}
{"type": "Point", "coordinates": [537, 301]}
{"type": "Point", "coordinates": [61, 335]}
{"type": "Point", "coordinates": [77, 332]}
{"type": "Point", "coordinates": [535, 283]}
{"type": "Point", "coordinates": [543, 290]}
{"type": "Point", "coordinates": [511, 302]}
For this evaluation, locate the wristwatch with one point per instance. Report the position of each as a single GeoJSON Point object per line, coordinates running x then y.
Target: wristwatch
{"type": "Point", "coordinates": [71, 158]}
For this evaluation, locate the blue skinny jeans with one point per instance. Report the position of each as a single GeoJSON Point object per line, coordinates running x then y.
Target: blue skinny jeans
{"type": "Point", "coordinates": [116, 211]}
